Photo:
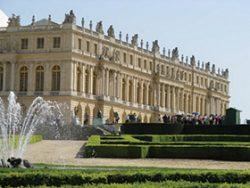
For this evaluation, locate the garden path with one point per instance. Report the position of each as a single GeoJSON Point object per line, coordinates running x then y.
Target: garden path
{"type": "Point", "coordinates": [68, 152]}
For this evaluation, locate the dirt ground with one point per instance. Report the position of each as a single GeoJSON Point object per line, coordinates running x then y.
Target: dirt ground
{"type": "Point", "coordinates": [67, 152]}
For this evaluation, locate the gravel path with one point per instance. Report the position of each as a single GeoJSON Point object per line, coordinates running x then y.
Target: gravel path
{"type": "Point", "coordinates": [67, 152]}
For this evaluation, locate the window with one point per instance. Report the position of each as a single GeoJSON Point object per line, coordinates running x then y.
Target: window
{"type": "Point", "coordinates": [225, 88]}
{"type": "Point", "coordinates": [197, 79]}
{"type": "Point", "coordinates": [95, 46]}
{"type": "Point", "coordinates": [40, 43]}
{"type": "Point", "coordinates": [23, 78]}
{"type": "Point", "coordinates": [190, 78]}
{"type": "Point", "coordinates": [139, 62]}
{"type": "Point", "coordinates": [206, 82]}
{"type": "Point", "coordinates": [1, 78]}
{"type": "Point", "coordinates": [145, 64]}
{"type": "Point", "coordinates": [56, 42]}
{"type": "Point", "coordinates": [56, 78]}
{"type": "Point", "coordinates": [88, 46]}
{"type": "Point", "coordinates": [79, 44]}
{"type": "Point", "coordinates": [124, 57]}
{"type": "Point", "coordinates": [202, 81]}
{"type": "Point", "coordinates": [24, 44]}
{"type": "Point", "coordinates": [150, 65]}
{"type": "Point", "coordinates": [131, 60]}
{"type": "Point", "coordinates": [39, 78]}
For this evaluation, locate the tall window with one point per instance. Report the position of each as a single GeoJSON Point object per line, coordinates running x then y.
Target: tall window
{"type": "Point", "coordinates": [1, 78]}
{"type": "Point", "coordinates": [56, 42]}
{"type": "Point", "coordinates": [40, 43]}
{"type": "Point", "coordinates": [23, 78]}
{"type": "Point", "coordinates": [124, 57]}
{"type": "Point", "coordinates": [24, 43]}
{"type": "Point", "coordinates": [78, 82]}
{"type": "Point", "coordinates": [79, 44]}
{"type": "Point", "coordinates": [88, 46]}
{"type": "Point", "coordinates": [139, 62]}
{"type": "Point", "coordinates": [131, 60]}
{"type": "Point", "coordinates": [95, 46]}
{"type": "Point", "coordinates": [39, 78]}
{"type": "Point", "coordinates": [56, 78]}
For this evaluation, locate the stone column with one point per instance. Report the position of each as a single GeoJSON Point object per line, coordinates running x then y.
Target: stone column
{"type": "Point", "coordinates": [12, 78]}
{"type": "Point", "coordinates": [83, 78]}
{"type": "Point", "coordinates": [114, 85]}
{"type": "Point", "coordinates": [91, 80]}
{"type": "Point", "coordinates": [173, 99]}
{"type": "Point", "coordinates": [107, 82]}
{"type": "Point", "coordinates": [47, 78]}
{"type": "Point", "coordinates": [163, 96]}
{"type": "Point", "coordinates": [141, 93]}
{"type": "Point", "coordinates": [168, 97]}
{"type": "Point", "coordinates": [102, 82]}
{"type": "Point", "coordinates": [31, 79]}
{"type": "Point", "coordinates": [4, 76]}
{"type": "Point", "coordinates": [134, 91]}
{"type": "Point", "coordinates": [127, 89]}
{"type": "Point", "coordinates": [146, 94]}
{"type": "Point", "coordinates": [118, 85]}
{"type": "Point", "coordinates": [177, 100]}
{"type": "Point", "coordinates": [182, 100]}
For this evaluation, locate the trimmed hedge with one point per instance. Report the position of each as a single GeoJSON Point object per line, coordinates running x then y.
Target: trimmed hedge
{"type": "Point", "coordinates": [52, 177]}
{"type": "Point", "coordinates": [127, 146]}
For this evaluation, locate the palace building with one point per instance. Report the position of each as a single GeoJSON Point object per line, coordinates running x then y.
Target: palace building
{"type": "Point", "coordinates": [92, 71]}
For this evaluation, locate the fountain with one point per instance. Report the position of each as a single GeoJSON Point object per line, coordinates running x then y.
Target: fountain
{"type": "Point", "coordinates": [17, 127]}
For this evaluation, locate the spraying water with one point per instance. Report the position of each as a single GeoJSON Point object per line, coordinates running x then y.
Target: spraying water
{"type": "Point", "coordinates": [16, 129]}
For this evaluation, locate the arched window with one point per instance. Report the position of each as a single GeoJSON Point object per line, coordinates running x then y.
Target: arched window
{"type": "Point", "coordinates": [56, 78]}
{"type": "Point", "coordinates": [23, 79]}
{"type": "Point", "coordinates": [39, 78]}
{"type": "Point", "coordinates": [1, 78]}
{"type": "Point", "coordinates": [78, 81]}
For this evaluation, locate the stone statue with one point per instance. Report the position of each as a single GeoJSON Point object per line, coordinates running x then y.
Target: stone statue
{"type": "Point", "coordinates": [134, 40]}
{"type": "Point", "coordinates": [141, 43]}
{"type": "Point", "coordinates": [192, 61]}
{"type": "Point", "coordinates": [213, 68]}
{"type": "Point", "coordinates": [70, 18]}
{"type": "Point", "coordinates": [99, 27]}
{"type": "Point", "coordinates": [14, 21]}
{"type": "Point", "coordinates": [111, 32]}
{"type": "Point", "coordinates": [175, 53]}
{"type": "Point", "coordinates": [116, 55]}
{"type": "Point", "coordinates": [147, 45]}
{"type": "Point", "coordinates": [120, 35]}
{"type": "Point", "coordinates": [207, 66]}
{"type": "Point", "coordinates": [105, 51]}
{"type": "Point", "coordinates": [126, 38]}
{"type": "Point", "coordinates": [155, 46]}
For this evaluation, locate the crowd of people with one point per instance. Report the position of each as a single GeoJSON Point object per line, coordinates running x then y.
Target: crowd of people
{"type": "Point", "coordinates": [191, 119]}
{"type": "Point", "coordinates": [194, 119]}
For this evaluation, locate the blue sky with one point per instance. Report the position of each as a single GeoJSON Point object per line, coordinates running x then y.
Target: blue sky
{"type": "Point", "coordinates": [217, 31]}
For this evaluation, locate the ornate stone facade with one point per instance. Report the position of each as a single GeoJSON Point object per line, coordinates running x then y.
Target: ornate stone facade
{"type": "Point", "coordinates": [91, 71]}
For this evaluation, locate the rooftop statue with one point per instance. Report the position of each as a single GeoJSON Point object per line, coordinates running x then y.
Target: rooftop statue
{"type": "Point", "coordinates": [175, 53]}
{"type": "Point", "coordinates": [134, 40]}
{"type": "Point", "coordinates": [99, 27]}
{"type": "Point", "coordinates": [155, 46]}
{"type": "Point", "coordinates": [213, 68]}
{"type": "Point", "coordinates": [111, 32]}
{"type": "Point", "coordinates": [70, 18]}
{"type": "Point", "coordinates": [192, 60]}
{"type": "Point", "coordinates": [207, 66]}
{"type": "Point", "coordinates": [14, 21]}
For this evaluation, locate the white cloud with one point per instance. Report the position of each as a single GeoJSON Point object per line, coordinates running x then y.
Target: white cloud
{"type": "Point", "coordinates": [3, 19]}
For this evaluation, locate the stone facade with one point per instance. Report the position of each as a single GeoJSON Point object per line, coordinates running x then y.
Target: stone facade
{"type": "Point", "coordinates": [91, 71]}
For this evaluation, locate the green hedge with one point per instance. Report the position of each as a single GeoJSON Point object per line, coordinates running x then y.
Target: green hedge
{"type": "Point", "coordinates": [127, 146]}
{"type": "Point", "coordinates": [50, 177]}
